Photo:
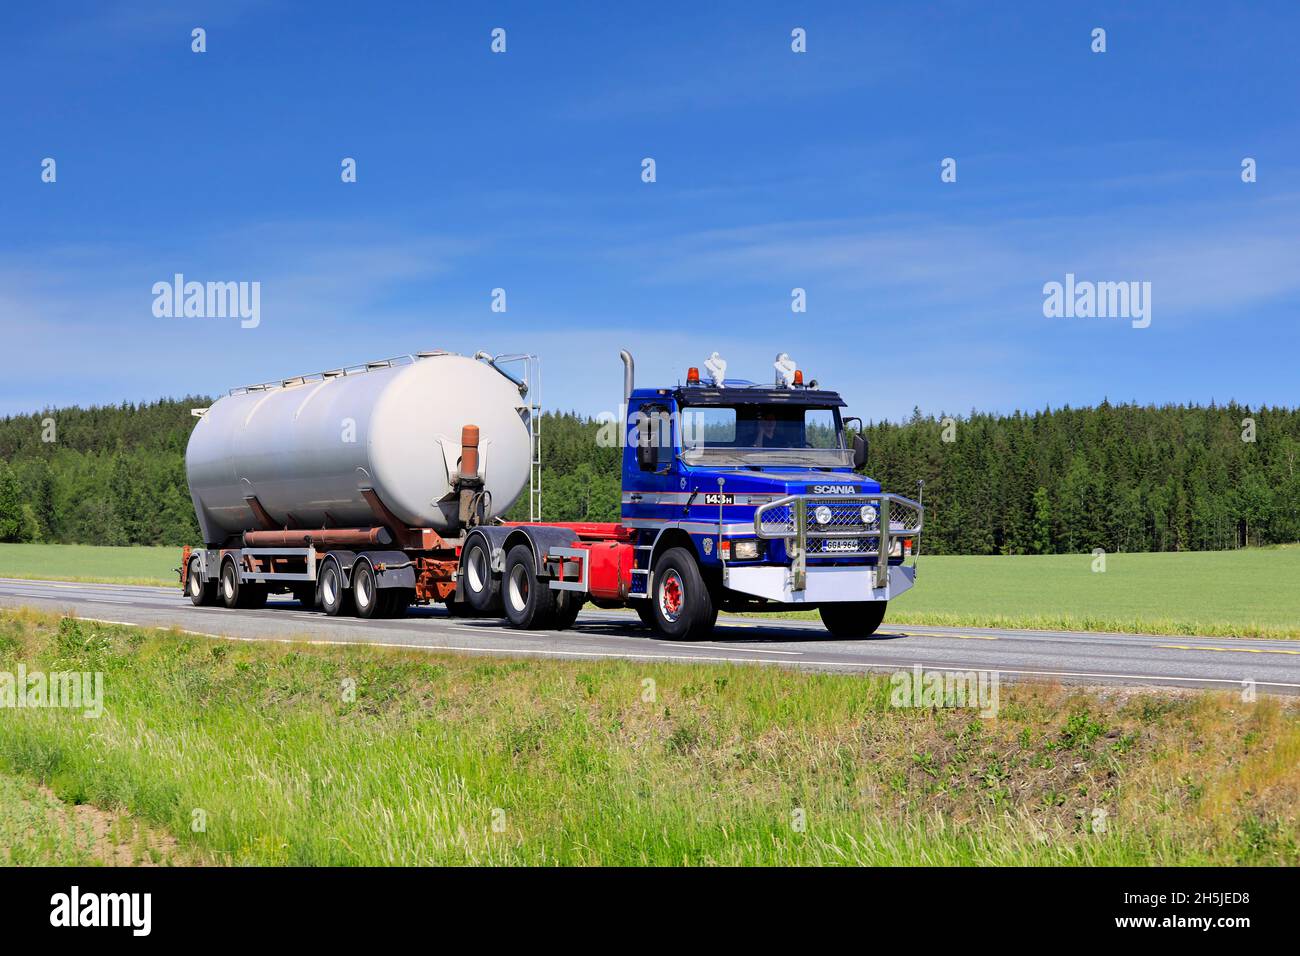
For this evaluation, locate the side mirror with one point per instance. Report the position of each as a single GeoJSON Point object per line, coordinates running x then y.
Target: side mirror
{"type": "Point", "coordinates": [860, 449]}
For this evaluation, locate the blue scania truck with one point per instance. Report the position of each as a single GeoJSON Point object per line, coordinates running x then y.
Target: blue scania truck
{"type": "Point", "coordinates": [736, 496]}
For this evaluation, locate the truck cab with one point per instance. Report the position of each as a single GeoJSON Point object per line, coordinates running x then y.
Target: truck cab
{"type": "Point", "coordinates": [746, 497]}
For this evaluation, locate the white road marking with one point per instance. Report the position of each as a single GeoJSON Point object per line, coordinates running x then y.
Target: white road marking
{"type": "Point", "coordinates": [543, 652]}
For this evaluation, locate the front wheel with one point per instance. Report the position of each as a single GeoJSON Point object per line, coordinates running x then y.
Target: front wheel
{"type": "Point", "coordinates": [853, 618]}
{"type": "Point", "coordinates": [682, 605]}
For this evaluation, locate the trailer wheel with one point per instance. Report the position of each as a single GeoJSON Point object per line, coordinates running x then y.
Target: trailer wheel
{"type": "Point", "coordinates": [853, 618]}
{"type": "Point", "coordinates": [567, 606]}
{"type": "Point", "coordinates": [202, 593]}
{"type": "Point", "coordinates": [399, 601]}
{"type": "Point", "coordinates": [682, 606]}
{"type": "Point", "coordinates": [482, 588]}
{"type": "Point", "coordinates": [370, 600]}
{"type": "Point", "coordinates": [332, 594]}
{"type": "Point", "coordinates": [229, 582]}
{"type": "Point", "coordinates": [529, 603]}
{"type": "Point", "coordinates": [237, 594]}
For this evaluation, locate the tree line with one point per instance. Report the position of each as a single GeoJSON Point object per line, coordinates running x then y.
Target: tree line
{"type": "Point", "coordinates": [1118, 477]}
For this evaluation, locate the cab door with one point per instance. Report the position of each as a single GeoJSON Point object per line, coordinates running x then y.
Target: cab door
{"type": "Point", "coordinates": [651, 471]}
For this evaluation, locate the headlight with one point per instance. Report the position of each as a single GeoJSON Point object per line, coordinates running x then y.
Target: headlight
{"type": "Point", "coordinates": [744, 550]}
{"type": "Point", "coordinates": [869, 514]}
{"type": "Point", "coordinates": [822, 514]}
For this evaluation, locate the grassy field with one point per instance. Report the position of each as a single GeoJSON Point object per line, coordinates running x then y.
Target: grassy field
{"type": "Point", "coordinates": [1254, 592]}
{"type": "Point", "coordinates": [84, 562]}
{"type": "Point", "coordinates": [315, 755]}
{"type": "Point", "coordinates": [1248, 593]}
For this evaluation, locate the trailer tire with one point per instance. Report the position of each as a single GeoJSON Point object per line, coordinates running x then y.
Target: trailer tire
{"type": "Point", "coordinates": [567, 606]}
{"type": "Point", "coordinates": [334, 597]}
{"type": "Point", "coordinates": [229, 584]}
{"type": "Point", "coordinates": [367, 597]}
{"type": "Point", "coordinates": [852, 619]}
{"type": "Point", "coordinates": [482, 588]}
{"type": "Point", "coordinates": [399, 601]}
{"type": "Point", "coordinates": [529, 603]}
{"type": "Point", "coordinates": [682, 605]}
{"type": "Point", "coordinates": [202, 593]}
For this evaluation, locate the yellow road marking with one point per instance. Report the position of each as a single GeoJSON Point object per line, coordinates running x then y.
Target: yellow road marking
{"type": "Point", "coordinates": [1239, 650]}
{"type": "Point", "coordinates": [964, 637]}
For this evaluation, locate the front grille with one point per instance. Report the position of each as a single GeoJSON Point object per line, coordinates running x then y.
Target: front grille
{"type": "Point", "coordinates": [844, 532]}
{"type": "Point", "coordinates": [846, 517]}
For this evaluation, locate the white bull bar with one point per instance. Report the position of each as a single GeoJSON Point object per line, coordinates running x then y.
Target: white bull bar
{"type": "Point", "coordinates": [787, 519]}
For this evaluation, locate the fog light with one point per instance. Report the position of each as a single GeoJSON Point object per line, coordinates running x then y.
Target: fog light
{"type": "Point", "coordinates": [744, 550]}
{"type": "Point", "coordinates": [869, 514]}
{"type": "Point", "coordinates": [822, 514]}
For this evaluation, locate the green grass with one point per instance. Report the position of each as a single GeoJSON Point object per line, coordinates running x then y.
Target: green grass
{"type": "Point", "coordinates": [1247, 593]}
{"type": "Point", "coordinates": [456, 760]}
{"type": "Point", "coordinates": [84, 562]}
{"type": "Point", "coordinates": [1254, 592]}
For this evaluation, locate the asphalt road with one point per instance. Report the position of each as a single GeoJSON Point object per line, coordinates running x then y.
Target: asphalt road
{"type": "Point", "coordinates": [1079, 658]}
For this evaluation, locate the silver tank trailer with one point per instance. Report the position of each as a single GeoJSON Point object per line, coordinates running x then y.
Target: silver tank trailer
{"type": "Point", "coordinates": [306, 448]}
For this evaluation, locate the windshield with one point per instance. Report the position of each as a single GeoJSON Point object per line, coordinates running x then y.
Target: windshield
{"type": "Point", "coordinates": [763, 434]}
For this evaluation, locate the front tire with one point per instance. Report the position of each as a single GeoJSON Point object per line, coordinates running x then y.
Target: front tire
{"type": "Point", "coordinates": [529, 603]}
{"type": "Point", "coordinates": [853, 619]}
{"type": "Point", "coordinates": [682, 604]}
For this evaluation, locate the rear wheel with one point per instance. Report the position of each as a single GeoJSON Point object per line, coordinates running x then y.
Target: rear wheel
{"type": "Point", "coordinates": [369, 598]}
{"type": "Point", "coordinates": [332, 594]}
{"type": "Point", "coordinates": [202, 593]}
{"type": "Point", "coordinates": [229, 584]}
{"type": "Point", "coordinates": [682, 606]}
{"type": "Point", "coordinates": [399, 601]}
{"type": "Point", "coordinates": [567, 606]}
{"type": "Point", "coordinates": [529, 603]}
{"type": "Point", "coordinates": [481, 588]}
{"type": "Point", "coordinates": [853, 618]}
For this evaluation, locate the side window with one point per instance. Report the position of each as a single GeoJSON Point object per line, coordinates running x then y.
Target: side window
{"type": "Point", "coordinates": [655, 431]}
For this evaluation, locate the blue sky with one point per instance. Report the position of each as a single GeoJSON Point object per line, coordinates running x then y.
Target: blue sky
{"type": "Point", "coordinates": [775, 170]}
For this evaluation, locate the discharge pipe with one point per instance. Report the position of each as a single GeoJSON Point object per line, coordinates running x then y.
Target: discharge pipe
{"type": "Point", "coordinates": [469, 483]}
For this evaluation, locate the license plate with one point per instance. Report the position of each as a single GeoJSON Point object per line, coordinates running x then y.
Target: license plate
{"type": "Point", "coordinates": [840, 544]}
